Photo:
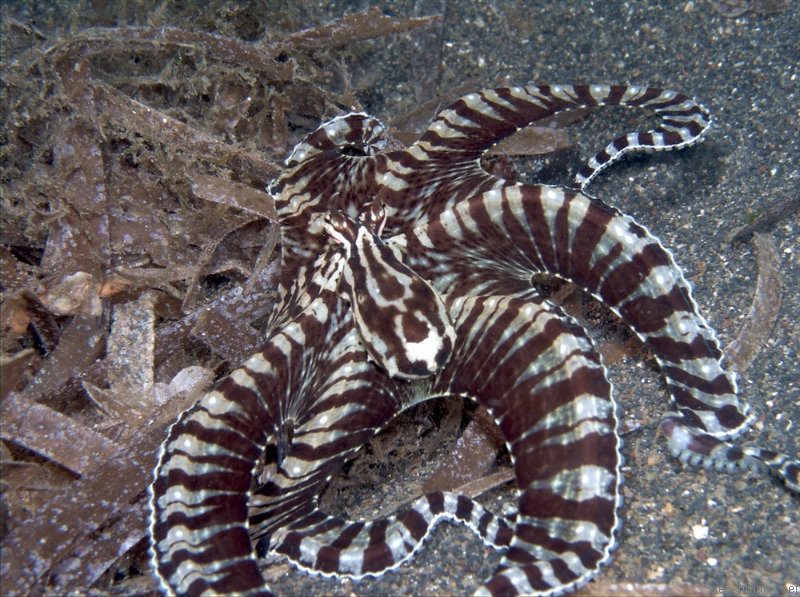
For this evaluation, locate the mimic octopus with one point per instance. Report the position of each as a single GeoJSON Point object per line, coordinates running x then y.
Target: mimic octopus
{"type": "Point", "coordinates": [407, 275]}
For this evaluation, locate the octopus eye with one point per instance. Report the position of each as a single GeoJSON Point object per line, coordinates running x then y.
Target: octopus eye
{"type": "Point", "coordinates": [353, 151]}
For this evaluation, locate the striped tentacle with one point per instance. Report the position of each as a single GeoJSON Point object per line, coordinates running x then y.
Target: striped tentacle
{"type": "Point", "coordinates": [300, 407]}
{"type": "Point", "coordinates": [201, 543]}
{"type": "Point", "coordinates": [330, 546]}
{"type": "Point", "coordinates": [443, 167]}
{"type": "Point", "coordinates": [541, 379]}
{"type": "Point", "coordinates": [513, 232]}
{"type": "Point", "coordinates": [361, 133]}
{"type": "Point", "coordinates": [684, 122]}
{"type": "Point", "coordinates": [699, 448]}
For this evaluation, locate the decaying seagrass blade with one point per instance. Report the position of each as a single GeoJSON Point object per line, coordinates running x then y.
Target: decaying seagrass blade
{"type": "Point", "coordinates": [764, 310]}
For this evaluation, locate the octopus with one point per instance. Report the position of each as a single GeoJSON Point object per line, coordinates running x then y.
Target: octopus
{"type": "Point", "coordinates": [407, 276]}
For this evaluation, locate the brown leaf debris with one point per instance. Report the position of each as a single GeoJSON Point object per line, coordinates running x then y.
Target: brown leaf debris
{"type": "Point", "coordinates": [138, 258]}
